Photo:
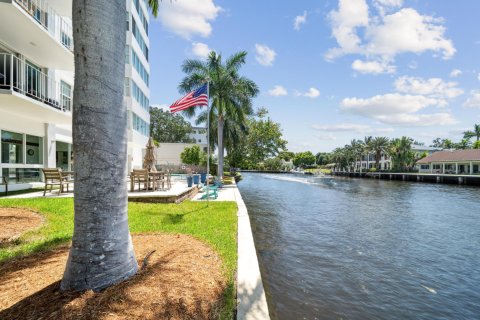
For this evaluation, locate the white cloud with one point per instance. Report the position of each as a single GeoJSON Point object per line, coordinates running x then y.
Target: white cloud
{"type": "Point", "coordinates": [311, 93]}
{"type": "Point", "coordinates": [455, 73]}
{"type": "Point", "coordinates": [278, 91]}
{"type": "Point", "coordinates": [264, 55]}
{"type": "Point", "coordinates": [351, 127]}
{"type": "Point", "coordinates": [373, 67]}
{"type": "Point", "coordinates": [395, 108]}
{"type": "Point", "coordinates": [387, 5]}
{"type": "Point", "coordinates": [351, 15]}
{"type": "Point", "coordinates": [434, 87]}
{"type": "Point", "coordinates": [408, 31]}
{"type": "Point", "coordinates": [201, 50]}
{"type": "Point", "coordinates": [326, 137]}
{"type": "Point", "coordinates": [380, 38]}
{"type": "Point", "coordinates": [188, 18]}
{"type": "Point", "coordinates": [163, 107]}
{"type": "Point", "coordinates": [299, 20]}
{"type": "Point", "coordinates": [474, 100]}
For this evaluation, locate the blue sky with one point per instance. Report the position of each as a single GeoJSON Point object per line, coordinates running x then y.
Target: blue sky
{"type": "Point", "coordinates": [331, 71]}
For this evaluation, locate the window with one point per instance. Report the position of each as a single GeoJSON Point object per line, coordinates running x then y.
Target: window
{"type": "Point", "coordinates": [137, 64]}
{"type": "Point", "coordinates": [143, 19]}
{"type": "Point", "coordinates": [126, 87]}
{"type": "Point", "coordinates": [21, 175]}
{"type": "Point", "coordinates": [127, 55]}
{"type": "Point", "coordinates": [34, 148]}
{"type": "Point", "coordinates": [140, 97]}
{"type": "Point", "coordinates": [137, 35]}
{"type": "Point", "coordinates": [66, 39]}
{"type": "Point", "coordinates": [32, 74]}
{"type": "Point", "coordinates": [424, 166]}
{"type": "Point", "coordinates": [12, 147]}
{"type": "Point", "coordinates": [66, 95]}
{"type": "Point", "coordinates": [140, 125]}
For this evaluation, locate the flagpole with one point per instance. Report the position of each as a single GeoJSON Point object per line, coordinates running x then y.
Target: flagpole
{"type": "Point", "coordinates": [208, 141]}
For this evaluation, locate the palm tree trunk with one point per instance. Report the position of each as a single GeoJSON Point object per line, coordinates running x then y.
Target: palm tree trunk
{"type": "Point", "coordinates": [377, 160]}
{"type": "Point", "coordinates": [102, 251]}
{"type": "Point", "coordinates": [220, 147]}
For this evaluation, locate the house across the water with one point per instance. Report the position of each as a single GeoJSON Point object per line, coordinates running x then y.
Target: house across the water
{"type": "Point", "coordinates": [451, 162]}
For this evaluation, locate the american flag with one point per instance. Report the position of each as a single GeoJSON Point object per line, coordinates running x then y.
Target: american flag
{"type": "Point", "coordinates": [195, 98]}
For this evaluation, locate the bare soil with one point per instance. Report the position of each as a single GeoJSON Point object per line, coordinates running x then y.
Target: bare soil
{"type": "Point", "coordinates": [14, 222]}
{"type": "Point", "coordinates": [183, 279]}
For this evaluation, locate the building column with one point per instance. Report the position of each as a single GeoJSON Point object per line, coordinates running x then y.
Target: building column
{"type": "Point", "coordinates": [431, 167]}
{"type": "Point", "coordinates": [50, 156]}
{"type": "Point", "coordinates": [456, 168]}
{"type": "Point", "coordinates": [443, 168]}
{"type": "Point", "coordinates": [471, 168]}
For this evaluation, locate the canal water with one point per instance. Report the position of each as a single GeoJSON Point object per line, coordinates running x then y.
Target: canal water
{"type": "Point", "coordinates": [339, 248]}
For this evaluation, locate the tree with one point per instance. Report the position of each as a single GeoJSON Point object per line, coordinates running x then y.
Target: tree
{"type": "Point", "coordinates": [304, 159]}
{"type": "Point", "coordinates": [322, 158]}
{"type": "Point", "coordinates": [191, 155]}
{"type": "Point", "coordinates": [169, 127]}
{"type": "Point", "coordinates": [286, 155]}
{"type": "Point", "coordinates": [273, 164]}
{"type": "Point", "coordinates": [366, 148]}
{"type": "Point", "coordinates": [343, 158]}
{"type": "Point", "coordinates": [476, 145]}
{"type": "Point", "coordinates": [475, 133]}
{"type": "Point", "coordinates": [102, 252]}
{"type": "Point", "coordinates": [231, 94]}
{"type": "Point", "coordinates": [264, 139]}
{"type": "Point", "coordinates": [463, 144]}
{"type": "Point", "coordinates": [357, 149]}
{"type": "Point", "coordinates": [379, 145]}
{"type": "Point", "coordinates": [447, 144]}
{"type": "Point", "coordinates": [400, 150]}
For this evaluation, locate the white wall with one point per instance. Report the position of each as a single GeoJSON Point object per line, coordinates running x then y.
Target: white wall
{"type": "Point", "coordinates": [169, 153]}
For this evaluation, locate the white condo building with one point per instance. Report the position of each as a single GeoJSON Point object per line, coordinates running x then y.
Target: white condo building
{"type": "Point", "coordinates": [36, 86]}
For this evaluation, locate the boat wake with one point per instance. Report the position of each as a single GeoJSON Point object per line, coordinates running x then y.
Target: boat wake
{"type": "Point", "coordinates": [317, 180]}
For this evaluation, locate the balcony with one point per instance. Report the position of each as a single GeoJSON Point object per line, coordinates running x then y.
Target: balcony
{"type": "Point", "coordinates": [35, 29]}
{"type": "Point", "coordinates": [23, 87]}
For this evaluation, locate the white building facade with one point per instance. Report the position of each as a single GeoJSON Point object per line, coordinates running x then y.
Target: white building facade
{"type": "Point", "coordinates": [36, 86]}
{"type": "Point", "coordinates": [199, 134]}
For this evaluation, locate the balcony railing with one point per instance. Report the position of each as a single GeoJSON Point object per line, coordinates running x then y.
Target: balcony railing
{"type": "Point", "coordinates": [24, 78]}
{"type": "Point", "coordinates": [56, 25]}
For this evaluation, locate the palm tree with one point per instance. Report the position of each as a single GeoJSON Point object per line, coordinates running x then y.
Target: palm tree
{"type": "Point", "coordinates": [356, 147]}
{"type": "Point", "coordinates": [475, 133]}
{"type": "Point", "coordinates": [366, 148]}
{"type": "Point", "coordinates": [400, 150]}
{"type": "Point", "coordinates": [102, 251]}
{"type": "Point", "coordinates": [230, 93]}
{"type": "Point", "coordinates": [379, 145]}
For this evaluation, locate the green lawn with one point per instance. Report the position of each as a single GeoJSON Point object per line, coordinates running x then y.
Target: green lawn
{"type": "Point", "coordinates": [216, 225]}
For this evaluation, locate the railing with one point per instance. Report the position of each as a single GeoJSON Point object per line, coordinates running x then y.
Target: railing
{"type": "Point", "coordinates": [56, 25]}
{"type": "Point", "coordinates": [19, 76]}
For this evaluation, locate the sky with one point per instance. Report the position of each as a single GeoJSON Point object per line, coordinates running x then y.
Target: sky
{"type": "Point", "coordinates": [335, 70]}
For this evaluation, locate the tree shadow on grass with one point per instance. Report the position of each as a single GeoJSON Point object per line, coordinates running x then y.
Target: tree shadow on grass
{"type": "Point", "coordinates": [38, 250]}
{"type": "Point", "coordinates": [177, 218]}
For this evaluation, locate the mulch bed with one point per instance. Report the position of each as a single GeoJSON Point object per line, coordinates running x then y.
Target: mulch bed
{"type": "Point", "coordinates": [15, 221]}
{"type": "Point", "coordinates": [183, 279]}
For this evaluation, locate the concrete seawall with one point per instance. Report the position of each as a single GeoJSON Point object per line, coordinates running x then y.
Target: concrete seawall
{"type": "Point", "coordinates": [251, 299]}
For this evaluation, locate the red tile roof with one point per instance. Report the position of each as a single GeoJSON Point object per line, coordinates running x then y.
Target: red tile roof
{"type": "Point", "coordinates": [455, 155]}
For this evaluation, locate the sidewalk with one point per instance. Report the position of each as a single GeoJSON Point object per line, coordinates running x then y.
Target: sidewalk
{"type": "Point", "coordinates": [225, 193]}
